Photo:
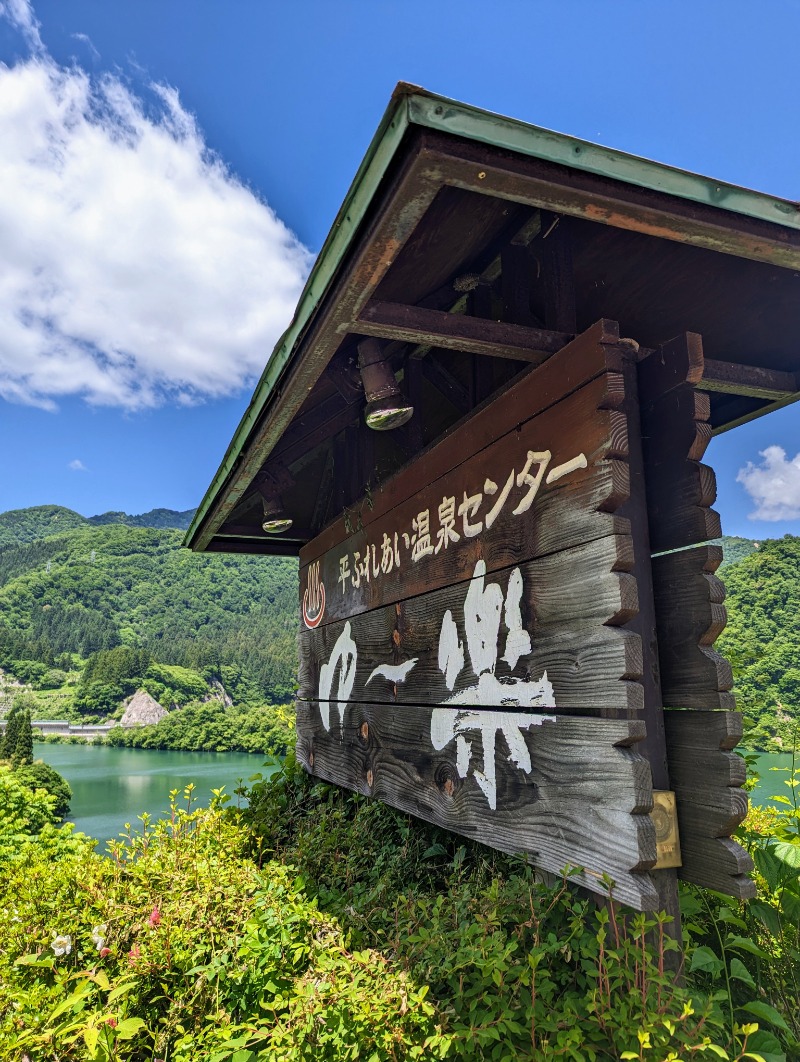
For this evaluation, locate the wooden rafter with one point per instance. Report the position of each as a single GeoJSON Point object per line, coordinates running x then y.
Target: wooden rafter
{"type": "Point", "coordinates": [413, 324]}
{"type": "Point", "coordinates": [748, 380]}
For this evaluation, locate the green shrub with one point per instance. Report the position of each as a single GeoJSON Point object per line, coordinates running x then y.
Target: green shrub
{"type": "Point", "coordinates": [178, 947]}
{"type": "Point", "coordinates": [750, 953]}
{"type": "Point", "coordinates": [516, 968]}
{"type": "Point", "coordinates": [40, 775]}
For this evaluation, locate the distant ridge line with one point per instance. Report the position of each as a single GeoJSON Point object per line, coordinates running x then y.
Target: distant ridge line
{"type": "Point", "coordinates": [19, 526]}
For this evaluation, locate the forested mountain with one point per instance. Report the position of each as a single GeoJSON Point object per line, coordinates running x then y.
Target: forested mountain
{"type": "Point", "coordinates": [97, 587]}
{"type": "Point", "coordinates": [153, 518]}
{"type": "Point", "coordinates": [29, 525]}
{"type": "Point", "coordinates": [735, 549]}
{"type": "Point", "coordinates": [762, 640]}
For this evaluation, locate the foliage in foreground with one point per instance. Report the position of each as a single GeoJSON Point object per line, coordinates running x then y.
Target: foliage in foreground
{"type": "Point", "coordinates": [179, 948]}
{"type": "Point", "coordinates": [316, 924]}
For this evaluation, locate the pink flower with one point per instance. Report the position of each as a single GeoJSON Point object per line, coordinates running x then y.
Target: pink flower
{"type": "Point", "coordinates": [134, 954]}
{"type": "Point", "coordinates": [104, 952]}
{"type": "Point", "coordinates": [155, 917]}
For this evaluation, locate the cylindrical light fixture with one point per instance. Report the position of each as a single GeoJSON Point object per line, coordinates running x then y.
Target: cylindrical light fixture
{"type": "Point", "coordinates": [276, 519]}
{"type": "Point", "coordinates": [387, 406]}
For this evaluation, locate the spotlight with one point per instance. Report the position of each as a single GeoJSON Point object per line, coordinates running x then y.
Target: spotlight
{"type": "Point", "coordinates": [276, 520]}
{"type": "Point", "coordinates": [386, 407]}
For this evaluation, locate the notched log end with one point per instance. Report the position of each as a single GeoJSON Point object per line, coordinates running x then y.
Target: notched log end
{"type": "Point", "coordinates": [702, 406]}
{"type": "Point", "coordinates": [618, 445]}
{"type": "Point", "coordinates": [694, 348]}
{"type": "Point", "coordinates": [614, 397]}
{"type": "Point", "coordinates": [619, 487]}
{"type": "Point", "coordinates": [604, 331]}
{"type": "Point", "coordinates": [628, 606]}
{"type": "Point", "coordinates": [699, 445]}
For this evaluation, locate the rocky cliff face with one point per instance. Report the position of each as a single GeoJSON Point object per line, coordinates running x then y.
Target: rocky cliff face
{"type": "Point", "coordinates": [142, 710]}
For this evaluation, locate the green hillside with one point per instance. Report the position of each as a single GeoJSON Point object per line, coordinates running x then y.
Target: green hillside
{"type": "Point", "coordinates": [28, 525]}
{"type": "Point", "coordinates": [762, 640]}
{"type": "Point", "coordinates": [153, 518]}
{"type": "Point", "coordinates": [40, 521]}
{"type": "Point", "coordinates": [94, 588]}
{"type": "Point", "coordinates": [735, 549]}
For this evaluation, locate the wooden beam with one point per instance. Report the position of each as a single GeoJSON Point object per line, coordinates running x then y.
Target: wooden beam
{"type": "Point", "coordinates": [413, 324]}
{"type": "Point", "coordinates": [751, 381]}
{"type": "Point", "coordinates": [278, 547]}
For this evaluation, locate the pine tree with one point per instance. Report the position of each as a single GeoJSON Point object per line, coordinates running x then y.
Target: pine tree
{"type": "Point", "coordinates": [11, 735]}
{"type": "Point", "coordinates": [23, 750]}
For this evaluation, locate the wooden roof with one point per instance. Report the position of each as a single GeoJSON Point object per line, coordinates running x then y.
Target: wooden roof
{"type": "Point", "coordinates": [475, 247]}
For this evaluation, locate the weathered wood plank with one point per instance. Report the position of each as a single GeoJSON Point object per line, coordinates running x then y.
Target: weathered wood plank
{"type": "Point", "coordinates": [644, 624]}
{"type": "Point", "coordinates": [565, 790]}
{"type": "Point", "coordinates": [475, 335]}
{"type": "Point", "coordinates": [591, 354]}
{"type": "Point", "coordinates": [690, 615]}
{"type": "Point", "coordinates": [707, 778]}
{"type": "Point", "coordinates": [673, 364]}
{"type": "Point", "coordinates": [725, 377]}
{"type": "Point", "coordinates": [558, 520]}
{"type": "Point", "coordinates": [550, 483]}
{"type": "Point", "coordinates": [599, 669]}
{"type": "Point", "coordinates": [534, 635]}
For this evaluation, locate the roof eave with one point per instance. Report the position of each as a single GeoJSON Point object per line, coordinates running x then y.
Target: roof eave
{"type": "Point", "coordinates": [413, 106]}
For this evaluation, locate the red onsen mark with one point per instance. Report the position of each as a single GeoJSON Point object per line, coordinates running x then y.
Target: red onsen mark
{"type": "Point", "coordinates": [314, 598]}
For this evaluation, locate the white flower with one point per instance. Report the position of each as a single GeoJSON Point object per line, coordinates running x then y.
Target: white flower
{"type": "Point", "coordinates": [62, 944]}
{"type": "Point", "coordinates": [99, 936]}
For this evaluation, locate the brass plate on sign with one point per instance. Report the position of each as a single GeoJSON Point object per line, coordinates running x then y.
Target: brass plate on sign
{"type": "Point", "coordinates": [665, 820]}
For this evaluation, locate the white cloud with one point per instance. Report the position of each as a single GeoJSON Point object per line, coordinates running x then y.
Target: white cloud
{"type": "Point", "coordinates": [20, 14]}
{"type": "Point", "coordinates": [774, 485]}
{"type": "Point", "coordinates": [136, 268]}
{"type": "Point", "coordinates": [77, 465]}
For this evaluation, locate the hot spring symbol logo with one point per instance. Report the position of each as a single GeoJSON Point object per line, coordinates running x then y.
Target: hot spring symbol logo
{"type": "Point", "coordinates": [313, 597]}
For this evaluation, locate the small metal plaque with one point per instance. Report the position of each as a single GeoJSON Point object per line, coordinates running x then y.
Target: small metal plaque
{"type": "Point", "coordinates": [665, 820]}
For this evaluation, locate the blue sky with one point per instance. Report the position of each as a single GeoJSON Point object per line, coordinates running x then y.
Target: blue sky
{"type": "Point", "coordinates": [171, 169]}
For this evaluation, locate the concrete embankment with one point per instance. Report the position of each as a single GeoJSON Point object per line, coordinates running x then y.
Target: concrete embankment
{"type": "Point", "coordinates": [66, 729]}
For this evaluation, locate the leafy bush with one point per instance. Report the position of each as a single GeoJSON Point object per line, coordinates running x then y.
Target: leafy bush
{"type": "Point", "coordinates": [23, 811]}
{"type": "Point", "coordinates": [178, 947]}
{"type": "Point", "coordinates": [40, 775]}
{"type": "Point", "coordinates": [516, 968]}
{"type": "Point", "coordinates": [749, 954]}
{"type": "Point", "coordinates": [316, 924]}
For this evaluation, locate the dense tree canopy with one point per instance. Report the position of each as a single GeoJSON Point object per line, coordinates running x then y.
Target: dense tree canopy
{"type": "Point", "coordinates": [104, 592]}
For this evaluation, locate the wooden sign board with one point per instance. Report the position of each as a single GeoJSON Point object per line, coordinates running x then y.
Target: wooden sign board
{"type": "Point", "coordinates": [471, 638]}
{"type": "Point", "coordinates": [457, 648]}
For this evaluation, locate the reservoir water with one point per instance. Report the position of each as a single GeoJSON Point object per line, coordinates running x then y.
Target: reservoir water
{"type": "Point", "coordinates": [113, 786]}
{"type": "Point", "coordinates": [774, 770]}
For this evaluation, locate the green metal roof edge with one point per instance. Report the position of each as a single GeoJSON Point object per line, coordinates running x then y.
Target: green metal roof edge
{"type": "Point", "coordinates": [449, 116]}
{"type": "Point", "coordinates": [411, 105]}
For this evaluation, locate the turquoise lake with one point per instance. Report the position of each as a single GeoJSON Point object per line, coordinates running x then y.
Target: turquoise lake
{"type": "Point", "coordinates": [113, 786]}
